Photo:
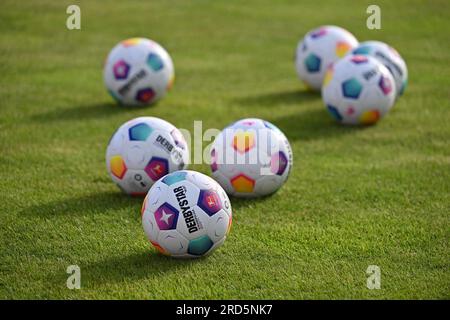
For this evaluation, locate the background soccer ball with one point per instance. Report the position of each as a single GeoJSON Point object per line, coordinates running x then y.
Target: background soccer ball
{"type": "Point", "coordinates": [186, 214]}
{"type": "Point", "coordinates": [358, 90]}
{"type": "Point", "coordinates": [251, 158]}
{"type": "Point", "coordinates": [320, 48]}
{"type": "Point", "coordinates": [143, 150]}
{"type": "Point", "coordinates": [138, 71]}
{"type": "Point", "coordinates": [390, 58]}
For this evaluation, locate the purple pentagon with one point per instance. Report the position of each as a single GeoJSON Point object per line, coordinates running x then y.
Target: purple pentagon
{"type": "Point", "coordinates": [209, 201]}
{"type": "Point", "coordinates": [385, 85]}
{"type": "Point", "coordinates": [166, 217]}
{"type": "Point", "coordinates": [121, 69]}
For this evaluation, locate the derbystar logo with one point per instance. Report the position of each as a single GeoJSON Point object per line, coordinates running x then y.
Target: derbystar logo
{"type": "Point", "coordinates": [189, 216]}
{"type": "Point", "coordinates": [125, 88]}
{"type": "Point", "coordinates": [166, 145]}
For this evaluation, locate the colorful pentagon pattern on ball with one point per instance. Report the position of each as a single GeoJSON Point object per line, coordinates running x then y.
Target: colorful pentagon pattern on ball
{"type": "Point", "coordinates": [385, 85]}
{"type": "Point", "coordinates": [328, 75]}
{"type": "Point", "coordinates": [175, 177]}
{"type": "Point", "coordinates": [131, 42]}
{"type": "Point", "coordinates": [213, 160]}
{"type": "Point", "coordinates": [243, 184]}
{"type": "Point", "coordinates": [121, 69]}
{"type": "Point", "coordinates": [154, 62]}
{"type": "Point", "coordinates": [243, 141]}
{"type": "Point", "coordinates": [200, 245]}
{"type": "Point", "coordinates": [159, 248]}
{"type": "Point", "coordinates": [139, 132]}
{"type": "Point", "coordinates": [278, 163]}
{"type": "Point", "coordinates": [351, 88]}
{"type": "Point", "coordinates": [358, 59]}
{"type": "Point", "coordinates": [312, 63]}
{"type": "Point", "coordinates": [342, 48]}
{"type": "Point", "coordinates": [118, 167]}
{"type": "Point", "coordinates": [334, 112]}
{"type": "Point", "coordinates": [370, 117]}
{"type": "Point", "coordinates": [166, 217]}
{"type": "Point", "coordinates": [318, 33]}
{"type": "Point", "coordinates": [145, 95]}
{"type": "Point", "coordinates": [362, 50]}
{"type": "Point", "coordinates": [209, 201]}
{"type": "Point", "coordinates": [157, 168]}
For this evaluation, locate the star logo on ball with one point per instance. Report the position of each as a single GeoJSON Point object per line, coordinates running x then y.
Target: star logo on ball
{"type": "Point", "coordinates": [166, 217]}
{"type": "Point", "coordinates": [121, 69]}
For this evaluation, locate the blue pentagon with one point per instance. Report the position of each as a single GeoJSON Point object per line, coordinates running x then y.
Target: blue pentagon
{"type": "Point", "coordinates": [139, 132]}
{"type": "Point", "coordinates": [175, 177]}
{"type": "Point", "coordinates": [362, 50]}
{"type": "Point", "coordinates": [351, 88]}
{"type": "Point", "coordinates": [200, 246]}
{"type": "Point", "coordinates": [334, 112]}
{"type": "Point", "coordinates": [209, 201]}
{"type": "Point", "coordinates": [155, 62]}
{"type": "Point", "coordinates": [312, 63]}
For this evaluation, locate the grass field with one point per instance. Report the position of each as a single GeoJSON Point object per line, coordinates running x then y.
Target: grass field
{"type": "Point", "coordinates": [356, 196]}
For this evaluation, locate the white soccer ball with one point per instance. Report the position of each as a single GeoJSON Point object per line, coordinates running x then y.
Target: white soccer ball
{"type": "Point", "coordinates": [390, 58]}
{"type": "Point", "coordinates": [358, 90]}
{"type": "Point", "coordinates": [142, 151]}
{"type": "Point", "coordinates": [186, 214]}
{"type": "Point", "coordinates": [138, 71]}
{"type": "Point", "coordinates": [320, 48]}
{"type": "Point", "coordinates": [251, 158]}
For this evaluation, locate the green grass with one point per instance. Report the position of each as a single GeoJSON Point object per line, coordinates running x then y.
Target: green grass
{"type": "Point", "coordinates": [356, 197]}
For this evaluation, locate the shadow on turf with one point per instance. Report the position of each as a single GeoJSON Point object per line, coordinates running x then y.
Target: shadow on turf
{"type": "Point", "coordinates": [306, 124]}
{"type": "Point", "coordinates": [84, 112]}
{"type": "Point", "coordinates": [134, 266]}
{"type": "Point", "coordinates": [87, 204]}
{"type": "Point", "coordinates": [279, 98]}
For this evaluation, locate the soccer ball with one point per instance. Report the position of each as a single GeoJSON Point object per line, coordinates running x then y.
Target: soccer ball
{"type": "Point", "coordinates": [186, 214]}
{"type": "Point", "coordinates": [358, 90]}
{"type": "Point", "coordinates": [138, 71]}
{"type": "Point", "coordinates": [251, 158]}
{"type": "Point", "coordinates": [320, 48]}
{"type": "Point", "coordinates": [390, 58]}
{"type": "Point", "coordinates": [142, 151]}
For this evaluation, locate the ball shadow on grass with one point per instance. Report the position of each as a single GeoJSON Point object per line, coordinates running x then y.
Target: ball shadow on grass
{"type": "Point", "coordinates": [133, 266]}
{"type": "Point", "coordinates": [276, 99]}
{"type": "Point", "coordinates": [86, 204]}
{"type": "Point", "coordinates": [87, 112]}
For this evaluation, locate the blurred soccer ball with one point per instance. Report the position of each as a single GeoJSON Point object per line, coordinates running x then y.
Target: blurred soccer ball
{"type": "Point", "coordinates": [143, 150]}
{"type": "Point", "coordinates": [186, 214]}
{"type": "Point", "coordinates": [390, 58]}
{"type": "Point", "coordinates": [358, 90]}
{"type": "Point", "coordinates": [320, 48]}
{"type": "Point", "coordinates": [251, 158]}
{"type": "Point", "coordinates": [138, 71]}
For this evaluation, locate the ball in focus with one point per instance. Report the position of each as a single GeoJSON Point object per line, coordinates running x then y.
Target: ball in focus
{"type": "Point", "coordinates": [251, 158]}
{"type": "Point", "coordinates": [142, 151]}
{"type": "Point", "coordinates": [358, 90]}
{"type": "Point", "coordinates": [186, 214]}
{"type": "Point", "coordinates": [138, 72]}
{"type": "Point", "coordinates": [320, 48]}
{"type": "Point", "coordinates": [390, 58]}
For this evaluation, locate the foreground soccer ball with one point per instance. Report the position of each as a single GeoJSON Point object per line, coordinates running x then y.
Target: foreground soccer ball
{"type": "Point", "coordinates": [143, 150]}
{"type": "Point", "coordinates": [320, 48]}
{"type": "Point", "coordinates": [186, 214]}
{"type": "Point", "coordinates": [358, 90]}
{"type": "Point", "coordinates": [138, 71]}
{"type": "Point", "coordinates": [390, 58]}
{"type": "Point", "coordinates": [251, 158]}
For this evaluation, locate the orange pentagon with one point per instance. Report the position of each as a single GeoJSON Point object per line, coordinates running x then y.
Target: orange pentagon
{"type": "Point", "coordinates": [243, 141]}
{"type": "Point", "coordinates": [118, 167]}
{"type": "Point", "coordinates": [342, 48]}
{"type": "Point", "coordinates": [370, 117]}
{"type": "Point", "coordinates": [159, 248]}
{"type": "Point", "coordinates": [242, 183]}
